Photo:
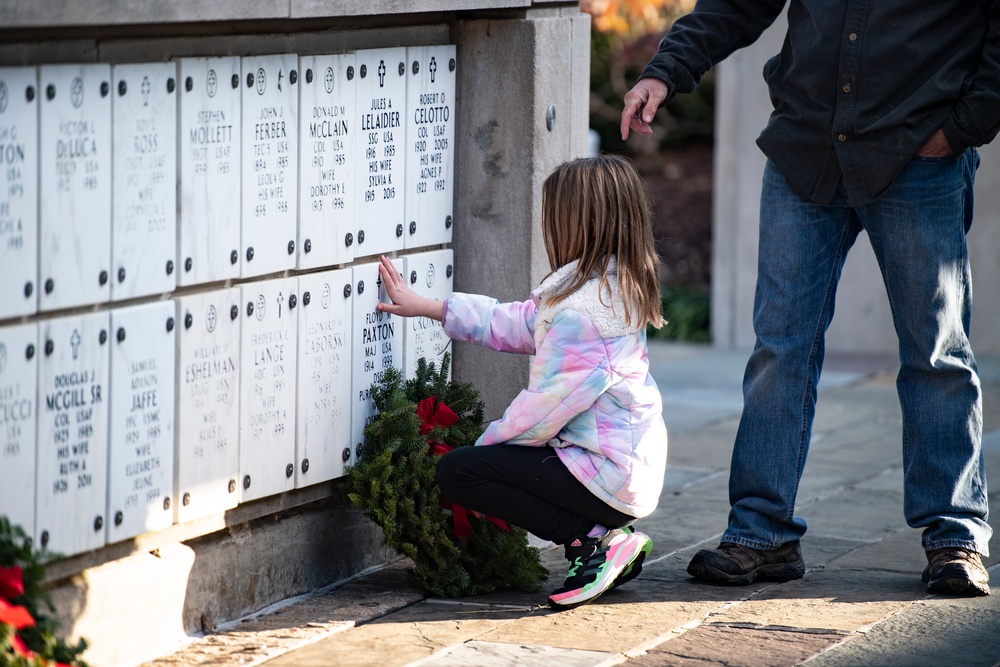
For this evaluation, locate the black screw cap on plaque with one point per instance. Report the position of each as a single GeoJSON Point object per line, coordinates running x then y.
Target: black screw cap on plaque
{"type": "Point", "coordinates": [103, 278]}
{"type": "Point", "coordinates": [234, 312]}
{"type": "Point", "coordinates": [188, 263]}
{"type": "Point", "coordinates": [357, 451]}
{"type": "Point", "coordinates": [305, 465]}
{"type": "Point", "coordinates": [346, 455]}
{"type": "Point", "coordinates": [29, 352]}
{"type": "Point", "coordinates": [306, 298]}
{"type": "Point", "coordinates": [292, 301]}
{"type": "Point", "coordinates": [289, 470]}
{"type": "Point", "coordinates": [236, 81]}
{"type": "Point", "coordinates": [347, 290]}
{"type": "Point", "coordinates": [249, 254]}
{"type": "Point", "coordinates": [50, 285]}
{"type": "Point", "coordinates": [250, 80]}
{"type": "Point", "coordinates": [309, 75]}
{"type": "Point", "coordinates": [166, 503]}
{"type": "Point", "coordinates": [350, 72]}
{"type": "Point", "coordinates": [234, 257]}
{"type": "Point", "coordinates": [119, 517]}
{"type": "Point", "coordinates": [44, 539]}
{"type": "Point", "coordinates": [307, 245]}
{"type": "Point", "coordinates": [29, 289]}
{"type": "Point", "coordinates": [170, 324]}
{"type": "Point", "coordinates": [416, 67]}
{"type": "Point", "coordinates": [447, 222]}
{"type": "Point", "coordinates": [399, 229]}
{"type": "Point", "coordinates": [171, 85]}
{"type": "Point", "coordinates": [451, 65]}
{"type": "Point", "coordinates": [413, 226]}
{"type": "Point", "coordinates": [413, 277]}
{"type": "Point", "coordinates": [402, 68]}
{"type": "Point", "coordinates": [246, 481]}
{"type": "Point", "coordinates": [291, 247]}
{"type": "Point", "coordinates": [121, 334]}
{"type": "Point", "coordinates": [361, 236]}
{"type": "Point", "coordinates": [249, 308]}
{"type": "Point", "coordinates": [98, 523]}
{"type": "Point", "coordinates": [50, 92]}
{"type": "Point", "coordinates": [293, 76]}
{"type": "Point", "coordinates": [189, 84]}
{"type": "Point", "coordinates": [103, 337]}
{"type": "Point", "coordinates": [349, 239]}
{"type": "Point", "coordinates": [364, 71]}
{"type": "Point", "coordinates": [122, 87]}
{"type": "Point", "coordinates": [186, 499]}
{"type": "Point", "coordinates": [189, 320]}
{"type": "Point", "coordinates": [361, 287]}
{"type": "Point", "coordinates": [170, 266]}
{"type": "Point", "coordinates": [105, 88]}
{"type": "Point", "coordinates": [29, 93]}
{"type": "Point", "coordinates": [121, 274]}
{"type": "Point", "coordinates": [232, 486]}
{"type": "Point", "coordinates": [448, 271]}
{"type": "Point", "coordinates": [49, 347]}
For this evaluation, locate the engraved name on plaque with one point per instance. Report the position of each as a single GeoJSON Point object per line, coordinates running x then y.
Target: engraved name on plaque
{"type": "Point", "coordinates": [18, 411]}
{"type": "Point", "coordinates": [141, 449]}
{"type": "Point", "coordinates": [18, 191]}
{"type": "Point", "coordinates": [72, 492]}
{"type": "Point", "coordinates": [430, 144]}
{"type": "Point", "coordinates": [377, 345]}
{"type": "Point", "coordinates": [380, 150]}
{"type": "Point", "coordinates": [209, 157]}
{"type": "Point", "coordinates": [324, 400]}
{"type": "Point", "coordinates": [208, 407]}
{"type": "Point", "coordinates": [270, 163]}
{"type": "Point", "coordinates": [326, 160]}
{"type": "Point", "coordinates": [144, 194]}
{"type": "Point", "coordinates": [74, 251]}
{"type": "Point", "coordinates": [267, 397]}
{"type": "Point", "coordinates": [429, 274]}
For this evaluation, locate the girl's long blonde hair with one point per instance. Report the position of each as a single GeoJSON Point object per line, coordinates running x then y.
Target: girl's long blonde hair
{"type": "Point", "coordinates": [595, 209]}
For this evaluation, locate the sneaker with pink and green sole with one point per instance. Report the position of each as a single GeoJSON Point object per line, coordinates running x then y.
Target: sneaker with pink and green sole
{"type": "Point", "coordinates": [596, 565]}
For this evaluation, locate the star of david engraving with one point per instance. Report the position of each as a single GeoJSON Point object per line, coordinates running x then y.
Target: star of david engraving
{"type": "Point", "coordinates": [74, 342]}
{"type": "Point", "coordinates": [432, 68]}
{"type": "Point", "coordinates": [212, 83]}
{"type": "Point", "coordinates": [145, 88]}
{"type": "Point", "coordinates": [328, 80]}
{"type": "Point", "coordinates": [381, 74]}
{"type": "Point", "coordinates": [76, 92]}
{"type": "Point", "coordinates": [211, 319]}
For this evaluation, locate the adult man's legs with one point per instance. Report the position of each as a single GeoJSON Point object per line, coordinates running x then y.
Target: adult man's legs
{"type": "Point", "coordinates": [802, 250]}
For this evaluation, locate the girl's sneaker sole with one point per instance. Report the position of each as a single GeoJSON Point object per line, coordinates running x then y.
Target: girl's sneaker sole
{"type": "Point", "coordinates": [633, 569]}
{"type": "Point", "coordinates": [624, 555]}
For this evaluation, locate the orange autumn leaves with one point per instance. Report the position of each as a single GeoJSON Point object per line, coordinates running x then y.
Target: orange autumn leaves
{"type": "Point", "coordinates": [634, 18]}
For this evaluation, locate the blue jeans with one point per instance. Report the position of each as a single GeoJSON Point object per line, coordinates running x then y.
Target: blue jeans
{"type": "Point", "coordinates": [917, 229]}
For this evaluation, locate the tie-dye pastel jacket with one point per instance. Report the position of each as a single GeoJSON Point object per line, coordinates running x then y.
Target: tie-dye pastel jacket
{"type": "Point", "coordinates": [590, 395]}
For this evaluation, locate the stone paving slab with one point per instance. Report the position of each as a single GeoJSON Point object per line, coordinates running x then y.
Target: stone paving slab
{"type": "Point", "coordinates": [491, 654]}
{"type": "Point", "coordinates": [715, 645]}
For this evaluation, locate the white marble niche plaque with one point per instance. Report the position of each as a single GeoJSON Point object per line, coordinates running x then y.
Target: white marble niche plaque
{"type": "Point", "coordinates": [324, 400]}
{"type": "Point", "coordinates": [144, 194]}
{"type": "Point", "coordinates": [270, 163]}
{"type": "Point", "coordinates": [72, 492]}
{"type": "Point", "coordinates": [430, 144]}
{"type": "Point", "coordinates": [18, 191]}
{"type": "Point", "coordinates": [141, 449]}
{"type": "Point", "coordinates": [208, 406]}
{"type": "Point", "coordinates": [267, 388]}
{"type": "Point", "coordinates": [377, 345]}
{"type": "Point", "coordinates": [326, 160]}
{"type": "Point", "coordinates": [429, 274]}
{"type": "Point", "coordinates": [209, 160]}
{"type": "Point", "coordinates": [18, 421]}
{"type": "Point", "coordinates": [75, 185]}
{"type": "Point", "coordinates": [380, 150]}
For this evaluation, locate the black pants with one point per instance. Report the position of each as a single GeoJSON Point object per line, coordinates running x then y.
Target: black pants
{"type": "Point", "coordinates": [527, 487]}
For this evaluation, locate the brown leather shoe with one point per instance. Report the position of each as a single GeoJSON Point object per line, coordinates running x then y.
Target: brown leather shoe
{"type": "Point", "coordinates": [732, 564]}
{"type": "Point", "coordinates": [954, 571]}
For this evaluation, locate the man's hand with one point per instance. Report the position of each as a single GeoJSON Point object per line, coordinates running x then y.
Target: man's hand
{"type": "Point", "coordinates": [641, 104]}
{"type": "Point", "coordinates": [936, 146]}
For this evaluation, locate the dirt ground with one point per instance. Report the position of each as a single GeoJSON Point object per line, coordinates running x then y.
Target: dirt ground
{"type": "Point", "coordinates": [680, 182]}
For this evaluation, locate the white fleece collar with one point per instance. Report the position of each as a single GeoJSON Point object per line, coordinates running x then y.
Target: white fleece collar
{"type": "Point", "coordinates": [607, 317]}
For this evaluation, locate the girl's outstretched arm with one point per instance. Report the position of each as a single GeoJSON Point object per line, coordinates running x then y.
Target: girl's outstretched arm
{"type": "Point", "coordinates": [405, 302]}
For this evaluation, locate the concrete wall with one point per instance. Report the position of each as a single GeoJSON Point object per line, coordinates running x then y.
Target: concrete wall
{"type": "Point", "coordinates": [521, 110]}
{"type": "Point", "coordinates": [862, 323]}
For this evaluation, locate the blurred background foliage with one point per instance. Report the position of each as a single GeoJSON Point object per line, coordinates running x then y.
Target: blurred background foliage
{"type": "Point", "coordinates": [676, 164]}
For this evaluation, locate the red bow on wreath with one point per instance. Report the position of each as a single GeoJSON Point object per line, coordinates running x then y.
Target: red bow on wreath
{"type": "Point", "coordinates": [433, 413]}
{"type": "Point", "coordinates": [12, 586]}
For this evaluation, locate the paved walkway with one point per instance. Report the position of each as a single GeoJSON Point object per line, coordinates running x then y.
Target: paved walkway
{"type": "Point", "coordinates": [861, 602]}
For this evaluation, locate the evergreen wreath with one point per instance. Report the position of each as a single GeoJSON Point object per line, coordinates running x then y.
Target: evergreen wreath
{"type": "Point", "coordinates": [27, 634]}
{"type": "Point", "coordinates": [394, 483]}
